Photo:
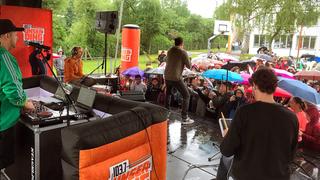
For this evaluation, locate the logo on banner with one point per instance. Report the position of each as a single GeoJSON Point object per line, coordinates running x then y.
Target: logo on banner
{"type": "Point", "coordinates": [126, 54]}
{"type": "Point", "coordinates": [33, 34]}
{"type": "Point", "coordinates": [140, 170]}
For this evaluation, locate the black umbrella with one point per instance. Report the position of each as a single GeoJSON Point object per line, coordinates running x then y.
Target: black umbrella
{"type": "Point", "coordinates": [241, 64]}
{"type": "Point", "coordinates": [307, 56]}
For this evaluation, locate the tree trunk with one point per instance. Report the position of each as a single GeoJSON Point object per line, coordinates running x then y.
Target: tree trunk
{"type": "Point", "coordinates": [149, 48]}
{"type": "Point", "coordinates": [245, 42]}
{"type": "Point", "coordinates": [272, 38]}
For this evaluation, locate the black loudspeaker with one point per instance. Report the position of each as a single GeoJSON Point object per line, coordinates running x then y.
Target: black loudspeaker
{"type": "Point", "coordinates": [107, 22]}
{"type": "Point", "coordinates": [33, 3]}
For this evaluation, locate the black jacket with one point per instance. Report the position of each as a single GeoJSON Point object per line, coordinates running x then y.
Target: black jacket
{"type": "Point", "coordinates": [221, 104]}
{"type": "Point", "coordinates": [263, 138]}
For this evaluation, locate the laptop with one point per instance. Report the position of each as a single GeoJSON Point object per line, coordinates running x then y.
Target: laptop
{"type": "Point", "coordinates": [86, 98]}
{"type": "Point", "coordinates": [59, 94]}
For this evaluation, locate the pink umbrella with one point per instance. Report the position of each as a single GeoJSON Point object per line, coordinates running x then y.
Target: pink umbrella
{"type": "Point", "coordinates": [216, 62]}
{"type": "Point", "coordinates": [245, 77]}
{"type": "Point", "coordinates": [283, 73]}
{"type": "Point", "coordinates": [278, 93]}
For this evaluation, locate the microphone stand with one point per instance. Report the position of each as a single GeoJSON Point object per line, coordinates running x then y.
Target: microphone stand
{"type": "Point", "coordinates": [67, 96]}
{"type": "Point", "coordinates": [84, 77]}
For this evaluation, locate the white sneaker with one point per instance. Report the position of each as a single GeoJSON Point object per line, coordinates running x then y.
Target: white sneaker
{"type": "Point", "coordinates": [187, 121]}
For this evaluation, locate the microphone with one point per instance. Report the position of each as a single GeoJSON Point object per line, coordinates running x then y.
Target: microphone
{"type": "Point", "coordinates": [37, 45]}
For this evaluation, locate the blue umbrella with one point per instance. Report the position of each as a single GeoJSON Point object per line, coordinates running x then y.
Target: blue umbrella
{"type": "Point", "coordinates": [133, 71]}
{"type": "Point", "coordinates": [223, 75]}
{"type": "Point", "coordinates": [299, 89]}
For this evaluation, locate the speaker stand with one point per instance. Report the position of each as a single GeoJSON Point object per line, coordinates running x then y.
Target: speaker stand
{"type": "Point", "coordinates": [105, 54]}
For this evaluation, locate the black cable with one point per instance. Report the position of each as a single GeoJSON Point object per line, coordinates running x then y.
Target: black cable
{"type": "Point", "coordinates": [145, 128]}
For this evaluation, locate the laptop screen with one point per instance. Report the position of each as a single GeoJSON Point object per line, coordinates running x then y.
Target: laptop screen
{"type": "Point", "coordinates": [60, 94]}
{"type": "Point", "coordinates": [86, 97]}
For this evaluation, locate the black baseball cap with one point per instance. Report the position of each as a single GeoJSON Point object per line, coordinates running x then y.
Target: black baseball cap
{"type": "Point", "coordinates": [7, 26]}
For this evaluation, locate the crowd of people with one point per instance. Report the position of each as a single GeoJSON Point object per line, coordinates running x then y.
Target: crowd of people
{"type": "Point", "coordinates": [258, 116]}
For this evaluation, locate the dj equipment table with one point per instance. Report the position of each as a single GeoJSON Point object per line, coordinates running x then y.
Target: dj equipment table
{"type": "Point", "coordinates": [38, 139]}
{"type": "Point", "coordinates": [38, 148]}
{"type": "Point", "coordinates": [57, 151]}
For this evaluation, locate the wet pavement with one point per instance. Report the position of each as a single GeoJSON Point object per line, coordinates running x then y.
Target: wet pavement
{"type": "Point", "coordinates": [191, 146]}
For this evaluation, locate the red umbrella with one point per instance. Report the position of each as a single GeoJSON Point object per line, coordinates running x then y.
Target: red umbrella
{"type": "Point", "coordinates": [309, 75]}
{"type": "Point", "coordinates": [278, 93]}
{"type": "Point", "coordinates": [54, 55]}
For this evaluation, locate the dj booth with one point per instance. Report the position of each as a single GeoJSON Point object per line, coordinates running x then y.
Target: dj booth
{"type": "Point", "coordinates": [121, 140]}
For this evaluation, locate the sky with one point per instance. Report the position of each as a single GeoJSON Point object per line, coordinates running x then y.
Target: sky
{"type": "Point", "coordinates": [203, 8]}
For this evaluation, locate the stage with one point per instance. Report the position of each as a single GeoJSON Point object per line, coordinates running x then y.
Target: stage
{"type": "Point", "coordinates": [193, 145]}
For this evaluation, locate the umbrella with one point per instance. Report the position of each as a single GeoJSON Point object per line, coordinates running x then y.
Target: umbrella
{"type": "Point", "coordinates": [187, 72]}
{"type": "Point", "coordinates": [55, 55]}
{"type": "Point", "coordinates": [307, 56]}
{"type": "Point", "coordinates": [241, 64]}
{"type": "Point", "coordinates": [158, 70]}
{"type": "Point", "coordinates": [222, 74]}
{"type": "Point", "coordinates": [283, 73]}
{"type": "Point", "coordinates": [226, 57]}
{"type": "Point", "coordinates": [201, 62]}
{"type": "Point", "coordinates": [309, 75]}
{"type": "Point", "coordinates": [216, 62]}
{"type": "Point", "coordinates": [245, 78]}
{"type": "Point", "coordinates": [278, 93]}
{"type": "Point", "coordinates": [133, 71]}
{"type": "Point", "coordinates": [299, 89]}
{"type": "Point", "coordinates": [264, 57]}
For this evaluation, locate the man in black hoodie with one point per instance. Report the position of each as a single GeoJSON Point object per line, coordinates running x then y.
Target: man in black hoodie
{"type": "Point", "coordinates": [263, 136]}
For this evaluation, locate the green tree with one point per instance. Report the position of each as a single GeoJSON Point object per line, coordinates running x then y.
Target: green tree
{"type": "Point", "coordinates": [223, 12]}
{"type": "Point", "coordinates": [59, 27]}
{"type": "Point", "coordinates": [160, 21]}
{"type": "Point", "coordinates": [288, 15]}
{"type": "Point", "coordinates": [149, 21]}
{"type": "Point", "coordinates": [273, 16]}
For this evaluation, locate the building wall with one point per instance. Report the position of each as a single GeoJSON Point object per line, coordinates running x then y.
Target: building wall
{"type": "Point", "coordinates": [307, 31]}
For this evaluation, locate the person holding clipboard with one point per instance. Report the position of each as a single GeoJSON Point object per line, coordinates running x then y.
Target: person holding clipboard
{"type": "Point", "coordinates": [262, 138]}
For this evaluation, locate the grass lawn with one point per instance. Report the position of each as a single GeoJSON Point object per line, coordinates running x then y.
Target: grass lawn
{"type": "Point", "coordinates": [89, 65]}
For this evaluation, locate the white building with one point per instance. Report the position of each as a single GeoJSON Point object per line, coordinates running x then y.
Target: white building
{"type": "Point", "coordinates": [287, 45]}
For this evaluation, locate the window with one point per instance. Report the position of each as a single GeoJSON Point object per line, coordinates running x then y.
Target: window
{"type": "Point", "coordinates": [283, 41]}
{"type": "Point", "coordinates": [307, 42]}
{"type": "Point", "coordinates": [256, 41]}
{"type": "Point", "coordinates": [289, 41]}
{"type": "Point", "coordinates": [260, 40]}
{"type": "Point", "coordinates": [312, 42]}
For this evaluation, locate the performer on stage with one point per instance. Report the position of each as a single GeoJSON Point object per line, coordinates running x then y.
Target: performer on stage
{"type": "Point", "coordinates": [73, 72]}
{"type": "Point", "coordinates": [177, 60]}
{"type": "Point", "coordinates": [12, 96]}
